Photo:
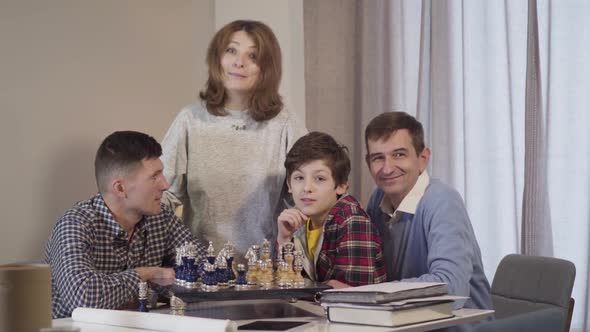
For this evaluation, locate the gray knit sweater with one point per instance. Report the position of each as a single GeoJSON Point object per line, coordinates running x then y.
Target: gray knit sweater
{"type": "Point", "coordinates": [228, 172]}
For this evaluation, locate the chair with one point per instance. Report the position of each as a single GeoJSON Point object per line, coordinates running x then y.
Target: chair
{"type": "Point", "coordinates": [544, 320]}
{"type": "Point", "coordinates": [524, 284]}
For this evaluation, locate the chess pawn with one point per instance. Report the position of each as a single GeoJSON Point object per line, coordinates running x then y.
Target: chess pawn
{"type": "Point", "coordinates": [298, 280]}
{"type": "Point", "coordinates": [209, 278]}
{"type": "Point", "coordinates": [143, 296]}
{"type": "Point", "coordinates": [289, 260]}
{"type": "Point", "coordinates": [241, 282]}
{"type": "Point", "coordinates": [277, 266]}
{"type": "Point", "coordinates": [211, 253]}
{"type": "Point", "coordinates": [221, 272]}
{"type": "Point", "coordinates": [252, 275]}
{"type": "Point", "coordinates": [265, 275]}
{"type": "Point", "coordinates": [283, 280]}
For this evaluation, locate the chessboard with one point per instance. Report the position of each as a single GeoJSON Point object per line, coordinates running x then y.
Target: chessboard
{"type": "Point", "coordinates": [308, 291]}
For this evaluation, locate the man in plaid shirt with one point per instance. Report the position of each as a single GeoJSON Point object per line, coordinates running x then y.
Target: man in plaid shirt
{"type": "Point", "coordinates": [103, 247]}
{"type": "Point", "coordinates": [338, 241]}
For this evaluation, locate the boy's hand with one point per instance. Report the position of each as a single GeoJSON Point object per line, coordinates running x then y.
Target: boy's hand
{"type": "Point", "coordinates": [289, 221]}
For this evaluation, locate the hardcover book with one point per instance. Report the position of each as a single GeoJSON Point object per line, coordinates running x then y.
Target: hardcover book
{"type": "Point", "coordinates": [392, 316]}
{"type": "Point", "coordinates": [383, 293]}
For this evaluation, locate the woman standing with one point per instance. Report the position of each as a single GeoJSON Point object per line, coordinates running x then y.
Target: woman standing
{"type": "Point", "coordinates": [224, 155]}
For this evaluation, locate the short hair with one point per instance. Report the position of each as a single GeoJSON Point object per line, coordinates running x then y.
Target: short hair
{"type": "Point", "coordinates": [122, 151]}
{"type": "Point", "coordinates": [319, 146]}
{"type": "Point", "coordinates": [265, 101]}
{"type": "Point", "coordinates": [386, 124]}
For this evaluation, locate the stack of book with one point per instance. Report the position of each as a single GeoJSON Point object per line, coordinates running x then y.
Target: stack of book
{"type": "Point", "coordinates": [389, 304]}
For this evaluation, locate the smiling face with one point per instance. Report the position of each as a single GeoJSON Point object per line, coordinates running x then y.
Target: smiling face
{"type": "Point", "coordinates": [144, 187]}
{"type": "Point", "coordinates": [395, 165]}
{"type": "Point", "coordinates": [314, 190]}
{"type": "Point", "coordinates": [239, 65]}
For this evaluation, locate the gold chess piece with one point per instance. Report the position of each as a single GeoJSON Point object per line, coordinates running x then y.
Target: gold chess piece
{"type": "Point", "coordinates": [298, 280]}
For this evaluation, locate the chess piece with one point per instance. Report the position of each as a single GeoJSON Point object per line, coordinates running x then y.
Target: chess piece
{"type": "Point", "coordinates": [143, 296]}
{"type": "Point", "coordinates": [241, 282]}
{"type": "Point", "coordinates": [177, 306]}
{"type": "Point", "coordinates": [221, 271]}
{"type": "Point", "coordinates": [283, 279]}
{"type": "Point", "coordinates": [209, 278]}
{"type": "Point", "coordinates": [252, 275]}
{"type": "Point", "coordinates": [265, 275]}
{"type": "Point", "coordinates": [298, 281]}
{"type": "Point", "coordinates": [191, 275]}
{"type": "Point", "coordinates": [289, 260]}
{"type": "Point", "coordinates": [229, 257]}
{"type": "Point", "coordinates": [211, 253]}
{"type": "Point", "coordinates": [179, 266]}
{"type": "Point", "coordinates": [278, 261]}
{"type": "Point", "coordinates": [265, 250]}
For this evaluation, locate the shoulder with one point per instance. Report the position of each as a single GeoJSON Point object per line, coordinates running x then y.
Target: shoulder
{"type": "Point", "coordinates": [348, 209]}
{"type": "Point", "coordinates": [80, 218]}
{"type": "Point", "coordinates": [283, 118]}
{"type": "Point", "coordinates": [439, 193]}
{"type": "Point", "coordinates": [443, 203]}
{"type": "Point", "coordinates": [193, 112]}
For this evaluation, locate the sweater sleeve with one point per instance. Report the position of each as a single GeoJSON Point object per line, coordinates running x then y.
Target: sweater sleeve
{"type": "Point", "coordinates": [449, 238]}
{"type": "Point", "coordinates": [175, 159]}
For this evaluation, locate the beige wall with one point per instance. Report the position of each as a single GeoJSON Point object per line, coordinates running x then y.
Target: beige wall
{"type": "Point", "coordinates": [73, 71]}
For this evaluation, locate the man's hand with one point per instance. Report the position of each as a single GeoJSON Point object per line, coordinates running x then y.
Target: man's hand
{"type": "Point", "coordinates": [149, 273]}
{"type": "Point", "coordinates": [289, 221]}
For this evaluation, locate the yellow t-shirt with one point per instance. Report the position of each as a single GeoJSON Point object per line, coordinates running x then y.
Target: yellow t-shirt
{"type": "Point", "coordinates": [312, 236]}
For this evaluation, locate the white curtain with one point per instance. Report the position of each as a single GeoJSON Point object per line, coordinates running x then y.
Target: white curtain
{"type": "Point", "coordinates": [503, 89]}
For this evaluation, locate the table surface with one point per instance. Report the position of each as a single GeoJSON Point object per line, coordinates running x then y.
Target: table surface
{"type": "Point", "coordinates": [301, 311]}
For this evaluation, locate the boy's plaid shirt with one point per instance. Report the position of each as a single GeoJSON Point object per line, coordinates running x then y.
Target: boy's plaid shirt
{"type": "Point", "coordinates": [92, 262]}
{"type": "Point", "coordinates": [351, 251]}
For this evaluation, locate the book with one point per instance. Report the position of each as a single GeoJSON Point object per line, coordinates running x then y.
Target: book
{"type": "Point", "coordinates": [391, 316]}
{"type": "Point", "coordinates": [383, 293]}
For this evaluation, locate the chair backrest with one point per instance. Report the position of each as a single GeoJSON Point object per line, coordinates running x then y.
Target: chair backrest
{"type": "Point", "coordinates": [529, 283]}
{"type": "Point", "coordinates": [545, 320]}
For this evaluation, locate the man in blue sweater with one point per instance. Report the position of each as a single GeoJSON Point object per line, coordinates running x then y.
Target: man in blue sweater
{"type": "Point", "coordinates": [426, 232]}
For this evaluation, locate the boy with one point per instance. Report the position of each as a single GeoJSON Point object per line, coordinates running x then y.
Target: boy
{"type": "Point", "coordinates": [339, 244]}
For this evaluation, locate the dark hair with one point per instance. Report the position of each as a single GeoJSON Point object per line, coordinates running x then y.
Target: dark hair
{"type": "Point", "coordinates": [319, 146]}
{"type": "Point", "coordinates": [265, 102]}
{"type": "Point", "coordinates": [385, 124]}
{"type": "Point", "coordinates": [122, 151]}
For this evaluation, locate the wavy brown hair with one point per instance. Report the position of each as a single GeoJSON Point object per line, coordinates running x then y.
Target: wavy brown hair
{"type": "Point", "coordinates": [265, 102]}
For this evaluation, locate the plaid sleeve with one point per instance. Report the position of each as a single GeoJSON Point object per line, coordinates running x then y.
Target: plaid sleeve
{"type": "Point", "coordinates": [75, 277]}
{"type": "Point", "coordinates": [359, 258]}
{"type": "Point", "coordinates": [178, 235]}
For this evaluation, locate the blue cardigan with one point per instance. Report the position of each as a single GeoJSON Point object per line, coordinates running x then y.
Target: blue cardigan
{"type": "Point", "coordinates": [440, 244]}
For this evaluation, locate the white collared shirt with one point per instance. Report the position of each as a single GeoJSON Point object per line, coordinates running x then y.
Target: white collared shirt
{"type": "Point", "coordinates": [410, 202]}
